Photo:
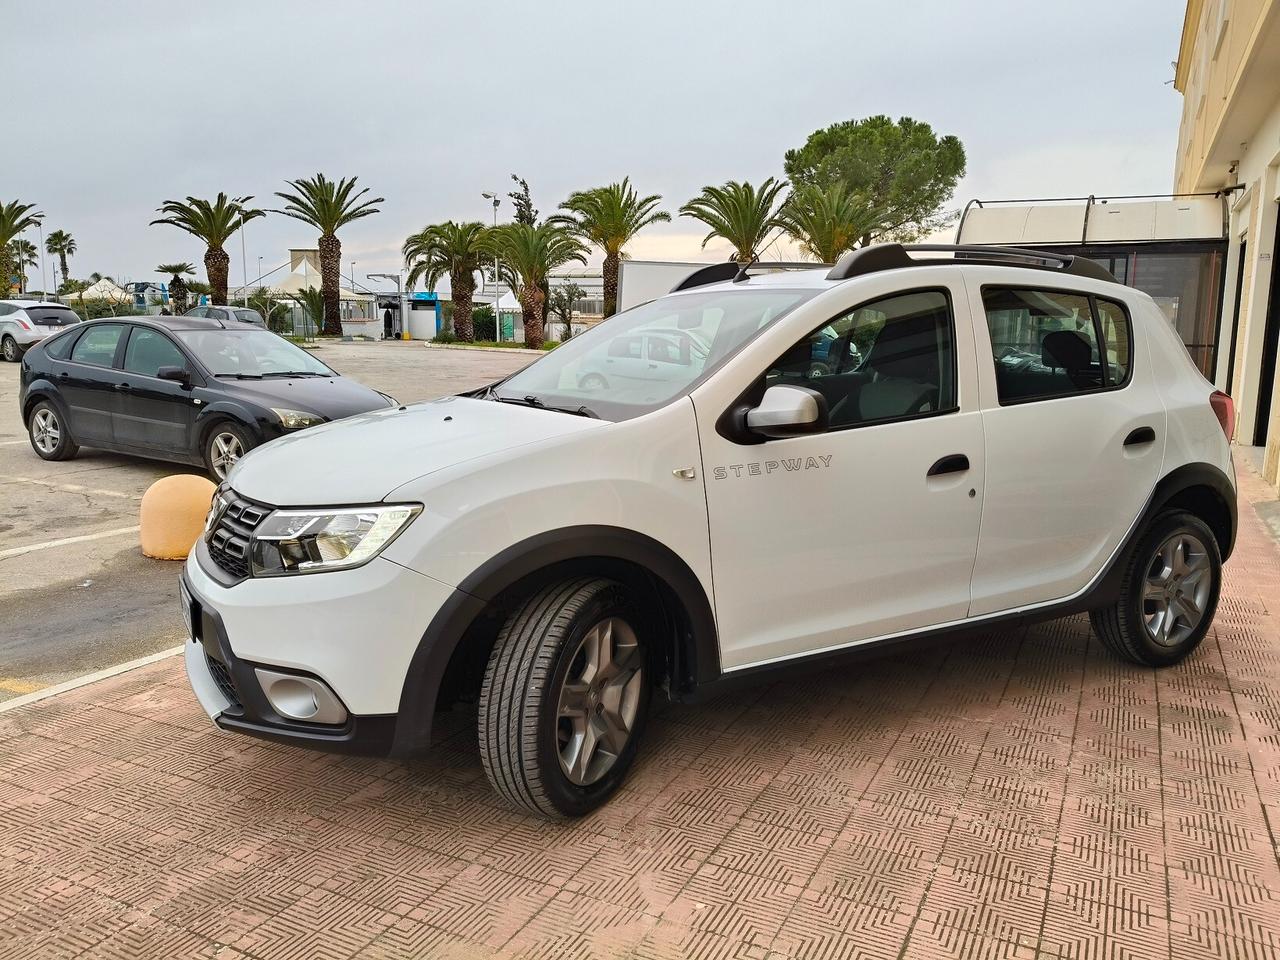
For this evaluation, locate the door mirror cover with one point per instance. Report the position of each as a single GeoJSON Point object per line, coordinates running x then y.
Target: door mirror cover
{"type": "Point", "coordinates": [788, 411]}
{"type": "Point", "coordinates": [177, 374]}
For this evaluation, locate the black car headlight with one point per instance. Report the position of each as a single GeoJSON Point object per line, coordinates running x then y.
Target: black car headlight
{"type": "Point", "coordinates": [297, 419]}
{"type": "Point", "coordinates": [314, 541]}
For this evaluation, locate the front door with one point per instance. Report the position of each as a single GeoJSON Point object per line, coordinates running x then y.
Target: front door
{"type": "Point", "coordinates": [87, 383]}
{"type": "Point", "coordinates": [1075, 436]}
{"type": "Point", "coordinates": [866, 530]}
{"type": "Point", "coordinates": [153, 414]}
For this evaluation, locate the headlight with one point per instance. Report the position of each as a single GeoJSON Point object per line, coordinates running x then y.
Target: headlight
{"type": "Point", "coordinates": [297, 419]}
{"type": "Point", "coordinates": [313, 541]}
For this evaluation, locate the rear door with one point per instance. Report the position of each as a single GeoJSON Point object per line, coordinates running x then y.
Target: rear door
{"type": "Point", "coordinates": [153, 414]}
{"type": "Point", "coordinates": [1075, 436]}
{"type": "Point", "coordinates": [87, 382]}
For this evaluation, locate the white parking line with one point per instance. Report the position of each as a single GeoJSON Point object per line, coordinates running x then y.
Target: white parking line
{"type": "Point", "coordinates": [33, 547]}
{"type": "Point", "coordinates": [11, 443]}
{"type": "Point", "coordinates": [70, 487]}
{"type": "Point", "coordinates": [87, 679]}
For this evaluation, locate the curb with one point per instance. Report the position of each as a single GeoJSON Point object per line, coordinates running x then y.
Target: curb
{"type": "Point", "coordinates": [87, 679]}
{"type": "Point", "coordinates": [458, 346]}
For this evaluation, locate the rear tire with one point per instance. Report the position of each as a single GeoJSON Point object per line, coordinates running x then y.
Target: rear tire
{"type": "Point", "coordinates": [1168, 595]}
{"type": "Point", "coordinates": [12, 352]}
{"type": "Point", "coordinates": [565, 697]}
{"type": "Point", "coordinates": [50, 438]}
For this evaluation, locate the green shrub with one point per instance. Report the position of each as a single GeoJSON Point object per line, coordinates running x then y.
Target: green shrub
{"type": "Point", "coordinates": [444, 336]}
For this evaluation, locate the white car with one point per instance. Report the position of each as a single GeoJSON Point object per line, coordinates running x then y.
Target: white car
{"type": "Point", "coordinates": [560, 553]}
{"type": "Point", "coordinates": [24, 323]}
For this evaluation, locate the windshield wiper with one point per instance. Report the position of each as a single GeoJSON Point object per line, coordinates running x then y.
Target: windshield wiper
{"type": "Point", "coordinates": [294, 373]}
{"type": "Point", "coordinates": [531, 400]}
{"type": "Point", "coordinates": [240, 376]}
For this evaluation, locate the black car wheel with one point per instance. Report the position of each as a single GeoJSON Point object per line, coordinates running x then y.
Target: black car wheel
{"type": "Point", "coordinates": [12, 352]}
{"type": "Point", "coordinates": [1168, 595]}
{"type": "Point", "coordinates": [224, 444]}
{"type": "Point", "coordinates": [50, 438]}
{"type": "Point", "coordinates": [565, 697]}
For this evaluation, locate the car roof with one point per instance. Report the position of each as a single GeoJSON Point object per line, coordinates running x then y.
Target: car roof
{"type": "Point", "coordinates": [34, 303]}
{"type": "Point", "coordinates": [178, 323]}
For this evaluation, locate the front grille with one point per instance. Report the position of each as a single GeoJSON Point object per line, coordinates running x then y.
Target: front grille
{"type": "Point", "coordinates": [228, 540]}
{"type": "Point", "coordinates": [222, 677]}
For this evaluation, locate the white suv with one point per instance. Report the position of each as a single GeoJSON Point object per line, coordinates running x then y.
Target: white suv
{"type": "Point", "coordinates": [995, 434]}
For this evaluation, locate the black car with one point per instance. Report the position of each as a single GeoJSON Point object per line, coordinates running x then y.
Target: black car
{"type": "Point", "coordinates": [188, 389]}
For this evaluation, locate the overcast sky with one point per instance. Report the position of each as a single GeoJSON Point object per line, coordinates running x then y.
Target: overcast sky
{"type": "Point", "coordinates": [122, 105]}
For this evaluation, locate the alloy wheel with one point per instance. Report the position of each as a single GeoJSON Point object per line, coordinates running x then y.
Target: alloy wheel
{"type": "Point", "coordinates": [10, 349]}
{"type": "Point", "coordinates": [45, 430]}
{"type": "Point", "coordinates": [225, 449]}
{"type": "Point", "coordinates": [1175, 593]}
{"type": "Point", "coordinates": [599, 701]}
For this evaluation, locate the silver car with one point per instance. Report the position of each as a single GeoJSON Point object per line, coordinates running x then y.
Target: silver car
{"type": "Point", "coordinates": [27, 322]}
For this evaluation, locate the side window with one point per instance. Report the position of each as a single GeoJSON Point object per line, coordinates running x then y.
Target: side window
{"type": "Point", "coordinates": [59, 347]}
{"type": "Point", "coordinates": [625, 347]}
{"type": "Point", "coordinates": [6, 309]}
{"type": "Point", "coordinates": [149, 350]}
{"type": "Point", "coordinates": [1044, 343]}
{"type": "Point", "coordinates": [1115, 339]}
{"type": "Point", "coordinates": [886, 360]}
{"type": "Point", "coordinates": [98, 345]}
{"type": "Point", "coordinates": [197, 311]}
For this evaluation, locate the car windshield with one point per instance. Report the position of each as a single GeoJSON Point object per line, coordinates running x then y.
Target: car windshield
{"type": "Point", "coordinates": [52, 316]}
{"type": "Point", "coordinates": [249, 316]}
{"type": "Point", "coordinates": [640, 360]}
{"type": "Point", "coordinates": [250, 354]}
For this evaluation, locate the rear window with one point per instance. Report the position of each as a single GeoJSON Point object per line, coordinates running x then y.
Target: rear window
{"type": "Point", "coordinates": [53, 316]}
{"type": "Point", "coordinates": [250, 316]}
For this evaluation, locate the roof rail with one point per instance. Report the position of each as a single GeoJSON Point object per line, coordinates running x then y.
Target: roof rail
{"type": "Point", "coordinates": [892, 256]}
{"type": "Point", "coordinates": [730, 269]}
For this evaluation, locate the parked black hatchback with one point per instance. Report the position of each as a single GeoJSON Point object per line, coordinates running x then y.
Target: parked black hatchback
{"type": "Point", "coordinates": [178, 388]}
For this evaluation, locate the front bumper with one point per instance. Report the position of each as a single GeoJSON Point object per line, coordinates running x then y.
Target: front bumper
{"type": "Point", "coordinates": [354, 632]}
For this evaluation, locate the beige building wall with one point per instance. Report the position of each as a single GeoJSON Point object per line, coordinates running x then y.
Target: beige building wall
{"type": "Point", "coordinates": [1228, 72]}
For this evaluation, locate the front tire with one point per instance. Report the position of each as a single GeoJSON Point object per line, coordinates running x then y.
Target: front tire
{"type": "Point", "coordinates": [1168, 595]}
{"type": "Point", "coordinates": [50, 438]}
{"type": "Point", "coordinates": [224, 444]}
{"type": "Point", "coordinates": [565, 697]}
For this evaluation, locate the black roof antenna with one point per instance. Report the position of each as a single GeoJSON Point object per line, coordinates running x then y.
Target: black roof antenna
{"type": "Point", "coordinates": [742, 270]}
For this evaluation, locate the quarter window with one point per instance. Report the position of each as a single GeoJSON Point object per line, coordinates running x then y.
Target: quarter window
{"type": "Point", "coordinates": [60, 346]}
{"type": "Point", "coordinates": [149, 350]}
{"type": "Point", "coordinates": [98, 345]}
{"type": "Point", "coordinates": [887, 360]}
{"type": "Point", "coordinates": [1047, 343]}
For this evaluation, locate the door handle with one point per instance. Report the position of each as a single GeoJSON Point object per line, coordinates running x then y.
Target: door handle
{"type": "Point", "coordinates": [123, 387]}
{"type": "Point", "coordinates": [953, 463]}
{"type": "Point", "coordinates": [1140, 435]}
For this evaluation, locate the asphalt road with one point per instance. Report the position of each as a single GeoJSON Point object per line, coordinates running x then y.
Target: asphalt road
{"type": "Point", "coordinates": [67, 609]}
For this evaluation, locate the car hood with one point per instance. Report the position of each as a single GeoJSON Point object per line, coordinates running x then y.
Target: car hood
{"type": "Point", "coordinates": [331, 397]}
{"type": "Point", "coordinates": [365, 457]}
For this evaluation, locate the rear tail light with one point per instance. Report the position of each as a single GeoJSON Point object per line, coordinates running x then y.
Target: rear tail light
{"type": "Point", "coordinates": [1224, 408]}
{"type": "Point", "coordinates": [24, 325]}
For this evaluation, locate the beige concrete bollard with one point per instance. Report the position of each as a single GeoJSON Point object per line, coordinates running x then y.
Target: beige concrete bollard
{"type": "Point", "coordinates": [172, 516]}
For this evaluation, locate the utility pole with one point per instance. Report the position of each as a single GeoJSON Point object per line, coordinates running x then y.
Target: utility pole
{"type": "Point", "coordinates": [497, 281]}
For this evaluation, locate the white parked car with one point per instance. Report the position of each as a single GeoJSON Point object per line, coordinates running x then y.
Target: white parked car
{"type": "Point", "coordinates": [24, 323]}
{"type": "Point", "coordinates": [560, 552]}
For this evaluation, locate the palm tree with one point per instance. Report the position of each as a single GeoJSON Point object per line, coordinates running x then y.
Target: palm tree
{"type": "Point", "coordinates": [609, 217]}
{"type": "Point", "coordinates": [177, 286]}
{"type": "Point", "coordinates": [739, 213]}
{"type": "Point", "coordinates": [15, 217]}
{"type": "Point", "coordinates": [328, 205]}
{"type": "Point", "coordinates": [454, 249]}
{"type": "Point", "coordinates": [214, 223]}
{"type": "Point", "coordinates": [23, 254]}
{"type": "Point", "coordinates": [827, 221]}
{"type": "Point", "coordinates": [61, 245]}
{"type": "Point", "coordinates": [528, 255]}
{"type": "Point", "coordinates": [313, 305]}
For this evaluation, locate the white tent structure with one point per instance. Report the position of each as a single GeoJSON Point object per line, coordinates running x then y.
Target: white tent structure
{"type": "Point", "coordinates": [304, 271]}
{"type": "Point", "coordinates": [104, 289]}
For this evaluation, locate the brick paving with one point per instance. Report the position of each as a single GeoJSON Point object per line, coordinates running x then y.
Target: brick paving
{"type": "Point", "coordinates": [1019, 795]}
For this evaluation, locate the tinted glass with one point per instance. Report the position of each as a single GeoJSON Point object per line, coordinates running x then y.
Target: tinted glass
{"type": "Point", "coordinates": [885, 360]}
{"type": "Point", "coordinates": [1115, 338]}
{"type": "Point", "coordinates": [606, 370]}
{"type": "Point", "coordinates": [53, 316]}
{"type": "Point", "coordinates": [149, 350]}
{"type": "Point", "coordinates": [59, 346]}
{"type": "Point", "coordinates": [1043, 342]}
{"type": "Point", "coordinates": [250, 316]}
{"type": "Point", "coordinates": [98, 345]}
{"type": "Point", "coordinates": [249, 352]}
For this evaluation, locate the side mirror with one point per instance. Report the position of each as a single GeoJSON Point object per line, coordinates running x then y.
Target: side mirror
{"type": "Point", "coordinates": [788, 411]}
{"type": "Point", "coordinates": [178, 374]}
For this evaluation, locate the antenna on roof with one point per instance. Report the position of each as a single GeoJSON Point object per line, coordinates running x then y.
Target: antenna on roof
{"type": "Point", "coordinates": [742, 270]}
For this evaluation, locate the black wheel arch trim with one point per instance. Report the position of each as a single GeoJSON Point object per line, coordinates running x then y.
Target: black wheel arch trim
{"type": "Point", "coordinates": [698, 654]}
{"type": "Point", "coordinates": [45, 390]}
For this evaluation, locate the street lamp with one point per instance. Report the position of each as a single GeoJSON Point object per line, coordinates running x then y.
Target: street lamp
{"type": "Point", "coordinates": [497, 284]}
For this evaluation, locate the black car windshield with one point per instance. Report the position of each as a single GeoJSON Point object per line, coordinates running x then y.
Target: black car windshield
{"type": "Point", "coordinates": [640, 360]}
{"type": "Point", "coordinates": [250, 353]}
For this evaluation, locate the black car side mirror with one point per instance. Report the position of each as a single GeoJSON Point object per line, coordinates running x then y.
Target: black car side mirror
{"type": "Point", "coordinates": [178, 374]}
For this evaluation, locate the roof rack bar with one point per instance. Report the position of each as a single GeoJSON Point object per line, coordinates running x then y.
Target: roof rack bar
{"type": "Point", "coordinates": [892, 256]}
{"type": "Point", "coordinates": [730, 270]}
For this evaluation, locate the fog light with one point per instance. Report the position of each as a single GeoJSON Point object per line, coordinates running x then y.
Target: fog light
{"type": "Point", "coordinates": [301, 698]}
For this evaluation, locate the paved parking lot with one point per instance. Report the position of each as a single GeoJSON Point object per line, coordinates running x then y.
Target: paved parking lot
{"type": "Point", "coordinates": [67, 609]}
{"type": "Point", "coordinates": [1019, 795]}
